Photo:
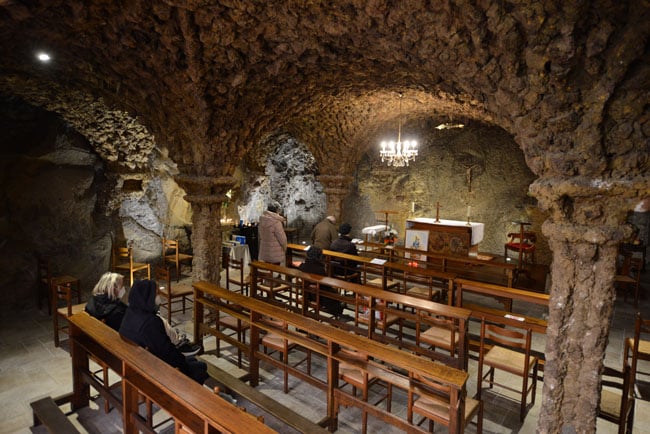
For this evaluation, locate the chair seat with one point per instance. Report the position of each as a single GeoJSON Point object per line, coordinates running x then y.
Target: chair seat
{"type": "Point", "coordinates": [644, 347]}
{"type": "Point", "coordinates": [232, 323]}
{"type": "Point", "coordinates": [181, 257]}
{"type": "Point", "coordinates": [610, 403]}
{"type": "Point", "coordinates": [379, 282]}
{"type": "Point", "coordinates": [275, 341]}
{"type": "Point", "coordinates": [182, 289]}
{"type": "Point", "coordinates": [438, 407]}
{"type": "Point", "coordinates": [439, 337]}
{"type": "Point", "coordinates": [136, 266]}
{"type": "Point", "coordinates": [508, 360]}
{"type": "Point", "coordinates": [352, 375]}
{"type": "Point", "coordinates": [422, 292]}
{"type": "Point", "coordinates": [524, 247]}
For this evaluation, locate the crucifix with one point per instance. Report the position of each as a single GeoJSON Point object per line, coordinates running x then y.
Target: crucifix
{"type": "Point", "coordinates": [469, 177]}
{"type": "Point", "coordinates": [437, 212]}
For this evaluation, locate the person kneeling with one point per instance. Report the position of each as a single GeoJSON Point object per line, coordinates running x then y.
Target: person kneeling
{"type": "Point", "coordinates": [142, 325]}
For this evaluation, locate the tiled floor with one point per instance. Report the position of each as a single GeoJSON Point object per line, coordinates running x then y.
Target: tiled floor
{"type": "Point", "coordinates": [31, 368]}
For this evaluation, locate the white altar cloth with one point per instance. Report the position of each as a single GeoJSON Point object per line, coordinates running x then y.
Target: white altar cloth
{"type": "Point", "coordinates": [477, 228]}
{"type": "Point", "coordinates": [374, 230]}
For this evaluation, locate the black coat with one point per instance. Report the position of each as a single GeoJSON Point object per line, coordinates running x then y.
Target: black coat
{"type": "Point", "coordinates": [344, 244]}
{"type": "Point", "coordinates": [106, 309]}
{"type": "Point", "coordinates": [142, 325]}
{"type": "Point", "coordinates": [330, 305]}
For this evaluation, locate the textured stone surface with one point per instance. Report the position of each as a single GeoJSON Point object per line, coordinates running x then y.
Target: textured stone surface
{"type": "Point", "coordinates": [210, 79]}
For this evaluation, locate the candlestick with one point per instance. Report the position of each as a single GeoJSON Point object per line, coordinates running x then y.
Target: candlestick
{"type": "Point", "coordinates": [412, 206]}
{"type": "Point", "coordinates": [469, 208]}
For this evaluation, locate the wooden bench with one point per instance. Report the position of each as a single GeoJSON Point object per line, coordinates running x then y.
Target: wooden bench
{"type": "Point", "coordinates": [192, 406]}
{"type": "Point", "coordinates": [387, 363]}
{"type": "Point", "coordinates": [374, 304]}
{"type": "Point", "coordinates": [504, 294]}
{"type": "Point", "coordinates": [264, 402]}
{"type": "Point", "coordinates": [48, 413]}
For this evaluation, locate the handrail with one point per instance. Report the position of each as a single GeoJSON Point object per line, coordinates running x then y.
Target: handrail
{"type": "Point", "coordinates": [188, 402]}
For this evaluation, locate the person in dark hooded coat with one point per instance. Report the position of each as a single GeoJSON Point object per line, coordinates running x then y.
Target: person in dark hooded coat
{"type": "Point", "coordinates": [314, 264]}
{"type": "Point", "coordinates": [142, 325]}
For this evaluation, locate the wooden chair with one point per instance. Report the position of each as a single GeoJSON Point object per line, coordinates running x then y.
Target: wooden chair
{"type": "Point", "coordinates": [359, 378]}
{"type": "Point", "coordinates": [61, 293]}
{"type": "Point", "coordinates": [175, 257]}
{"type": "Point", "coordinates": [431, 400]}
{"type": "Point", "coordinates": [123, 263]}
{"type": "Point", "coordinates": [629, 276]}
{"type": "Point", "coordinates": [510, 352]}
{"type": "Point", "coordinates": [277, 343]}
{"type": "Point", "coordinates": [171, 293]}
{"type": "Point", "coordinates": [235, 276]}
{"type": "Point", "coordinates": [617, 400]}
{"type": "Point", "coordinates": [637, 348]}
{"type": "Point", "coordinates": [273, 286]}
{"type": "Point", "coordinates": [441, 333]}
{"type": "Point", "coordinates": [383, 320]}
{"type": "Point", "coordinates": [523, 243]}
{"type": "Point", "coordinates": [229, 322]}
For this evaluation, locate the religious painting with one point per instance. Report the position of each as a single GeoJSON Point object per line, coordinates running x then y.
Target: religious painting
{"type": "Point", "coordinates": [418, 240]}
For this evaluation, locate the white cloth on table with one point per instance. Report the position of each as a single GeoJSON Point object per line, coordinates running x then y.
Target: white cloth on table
{"type": "Point", "coordinates": [477, 228]}
{"type": "Point", "coordinates": [241, 252]}
{"type": "Point", "coordinates": [374, 230]}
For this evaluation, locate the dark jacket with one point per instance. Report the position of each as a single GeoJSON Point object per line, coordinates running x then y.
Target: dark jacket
{"type": "Point", "coordinates": [344, 244]}
{"type": "Point", "coordinates": [143, 326]}
{"type": "Point", "coordinates": [330, 305]}
{"type": "Point", "coordinates": [106, 309]}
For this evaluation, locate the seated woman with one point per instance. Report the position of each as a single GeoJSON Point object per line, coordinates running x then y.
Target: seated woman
{"type": "Point", "coordinates": [314, 264]}
{"type": "Point", "coordinates": [106, 304]}
{"type": "Point", "coordinates": [143, 325]}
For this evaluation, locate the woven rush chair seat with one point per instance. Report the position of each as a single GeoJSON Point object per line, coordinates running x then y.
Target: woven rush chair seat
{"type": "Point", "coordinates": [503, 358]}
{"type": "Point", "coordinates": [439, 337]}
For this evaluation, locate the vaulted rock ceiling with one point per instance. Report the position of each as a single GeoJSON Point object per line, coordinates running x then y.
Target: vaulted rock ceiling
{"type": "Point", "coordinates": [211, 78]}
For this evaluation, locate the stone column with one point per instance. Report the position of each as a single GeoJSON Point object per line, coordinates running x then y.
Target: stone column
{"type": "Point", "coordinates": [586, 224]}
{"type": "Point", "coordinates": [336, 187]}
{"type": "Point", "coordinates": [206, 195]}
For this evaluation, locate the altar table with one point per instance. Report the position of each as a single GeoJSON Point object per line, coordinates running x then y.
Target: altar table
{"type": "Point", "coordinates": [449, 237]}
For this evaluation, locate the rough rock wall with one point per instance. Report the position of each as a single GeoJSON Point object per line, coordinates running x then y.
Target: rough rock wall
{"type": "Point", "coordinates": [440, 174]}
{"type": "Point", "coordinates": [59, 202]}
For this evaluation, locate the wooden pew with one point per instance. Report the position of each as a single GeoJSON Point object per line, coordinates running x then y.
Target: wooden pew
{"type": "Point", "coordinates": [496, 270]}
{"type": "Point", "coordinates": [49, 414]}
{"type": "Point", "coordinates": [190, 404]}
{"type": "Point", "coordinates": [387, 363]}
{"type": "Point", "coordinates": [504, 294]}
{"type": "Point", "coordinates": [378, 304]}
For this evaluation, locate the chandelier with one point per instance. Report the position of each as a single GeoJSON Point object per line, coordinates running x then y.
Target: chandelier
{"type": "Point", "coordinates": [398, 154]}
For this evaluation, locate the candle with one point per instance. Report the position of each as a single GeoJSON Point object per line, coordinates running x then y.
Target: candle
{"type": "Point", "coordinates": [469, 208]}
{"type": "Point", "coordinates": [412, 206]}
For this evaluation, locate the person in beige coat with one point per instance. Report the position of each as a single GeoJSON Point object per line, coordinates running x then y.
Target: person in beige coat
{"type": "Point", "coordinates": [273, 239]}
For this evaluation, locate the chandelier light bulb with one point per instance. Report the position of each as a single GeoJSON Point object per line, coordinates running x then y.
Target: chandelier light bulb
{"type": "Point", "coordinates": [398, 154]}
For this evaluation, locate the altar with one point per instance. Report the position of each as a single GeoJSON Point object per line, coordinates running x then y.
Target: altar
{"type": "Point", "coordinates": [446, 237]}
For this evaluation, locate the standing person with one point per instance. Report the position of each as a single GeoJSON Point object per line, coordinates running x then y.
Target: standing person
{"type": "Point", "coordinates": [106, 304]}
{"type": "Point", "coordinates": [324, 232]}
{"type": "Point", "coordinates": [344, 244]}
{"type": "Point", "coordinates": [314, 264]}
{"type": "Point", "coordinates": [273, 239]}
{"type": "Point", "coordinates": [143, 325]}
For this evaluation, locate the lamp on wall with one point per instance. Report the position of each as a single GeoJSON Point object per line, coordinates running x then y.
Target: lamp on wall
{"type": "Point", "coordinates": [398, 154]}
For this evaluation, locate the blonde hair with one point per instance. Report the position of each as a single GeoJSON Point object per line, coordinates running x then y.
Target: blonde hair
{"type": "Point", "coordinates": [109, 284]}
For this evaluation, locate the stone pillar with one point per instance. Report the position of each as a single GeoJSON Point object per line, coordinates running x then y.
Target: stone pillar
{"type": "Point", "coordinates": [586, 224]}
{"type": "Point", "coordinates": [336, 187]}
{"type": "Point", "coordinates": [206, 195]}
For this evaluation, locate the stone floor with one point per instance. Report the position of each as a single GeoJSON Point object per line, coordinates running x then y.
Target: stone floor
{"type": "Point", "coordinates": [31, 368]}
